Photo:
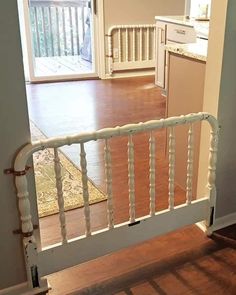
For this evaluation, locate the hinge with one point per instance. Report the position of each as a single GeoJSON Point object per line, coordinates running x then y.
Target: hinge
{"type": "Point", "coordinates": [35, 276]}
{"type": "Point", "coordinates": [134, 223]}
{"type": "Point", "coordinates": [212, 216]}
{"type": "Point", "coordinates": [10, 171]}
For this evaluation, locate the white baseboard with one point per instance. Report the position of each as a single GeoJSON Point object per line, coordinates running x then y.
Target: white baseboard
{"type": "Point", "coordinates": [224, 221]}
{"type": "Point", "coordinates": [130, 74]}
{"type": "Point", "coordinates": [23, 289]}
{"type": "Point", "coordinates": [219, 223]}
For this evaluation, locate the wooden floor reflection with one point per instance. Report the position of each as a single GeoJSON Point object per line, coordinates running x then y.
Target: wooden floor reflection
{"type": "Point", "coordinates": [185, 262]}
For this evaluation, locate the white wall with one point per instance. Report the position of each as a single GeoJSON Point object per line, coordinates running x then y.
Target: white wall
{"type": "Point", "coordinates": [226, 174]}
{"type": "Point", "coordinates": [21, 7]}
{"type": "Point", "coordinates": [220, 100]}
{"type": "Point", "coordinates": [139, 11]}
{"type": "Point", "coordinates": [14, 132]}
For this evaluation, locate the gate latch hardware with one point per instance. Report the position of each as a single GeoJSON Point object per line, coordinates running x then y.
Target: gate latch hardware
{"type": "Point", "coordinates": [134, 223]}
{"type": "Point", "coordinates": [16, 173]}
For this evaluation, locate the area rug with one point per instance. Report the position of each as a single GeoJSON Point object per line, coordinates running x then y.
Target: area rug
{"type": "Point", "coordinates": [46, 184]}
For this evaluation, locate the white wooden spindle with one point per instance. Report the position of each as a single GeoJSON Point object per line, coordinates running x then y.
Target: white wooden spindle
{"type": "Point", "coordinates": [60, 198]}
{"type": "Point", "coordinates": [131, 179]}
{"type": "Point", "coordinates": [110, 53]}
{"type": "Point", "coordinates": [83, 164]}
{"type": "Point", "coordinates": [171, 168]}
{"type": "Point", "coordinates": [24, 204]}
{"type": "Point", "coordinates": [211, 177]}
{"type": "Point", "coordinates": [141, 44]}
{"type": "Point", "coordinates": [120, 45]}
{"type": "Point", "coordinates": [134, 45]}
{"type": "Point", "coordinates": [152, 171]}
{"type": "Point", "coordinates": [127, 44]}
{"type": "Point", "coordinates": [29, 242]}
{"type": "Point", "coordinates": [108, 172]}
{"type": "Point", "coordinates": [148, 44]}
{"type": "Point", "coordinates": [189, 182]}
{"type": "Point", "coordinates": [212, 160]}
{"type": "Point", "coordinates": [154, 44]}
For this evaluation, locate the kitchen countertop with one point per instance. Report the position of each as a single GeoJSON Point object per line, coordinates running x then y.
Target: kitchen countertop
{"type": "Point", "coordinates": [201, 26]}
{"type": "Point", "coordinates": [196, 50]}
{"type": "Point", "coordinates": [176, 19]}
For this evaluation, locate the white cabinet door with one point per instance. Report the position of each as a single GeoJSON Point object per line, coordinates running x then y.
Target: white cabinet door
{"type": "Point", "coordinates": [161, 55]}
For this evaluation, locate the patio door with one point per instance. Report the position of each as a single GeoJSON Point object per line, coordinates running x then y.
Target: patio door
{"type": "Point", "coordinates": [60, 39]}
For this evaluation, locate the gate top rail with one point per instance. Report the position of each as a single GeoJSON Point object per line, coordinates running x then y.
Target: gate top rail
{"type": "Point", "coordinates": [106, 133]}
{"type": "Point", "coordinates": [117, 27]}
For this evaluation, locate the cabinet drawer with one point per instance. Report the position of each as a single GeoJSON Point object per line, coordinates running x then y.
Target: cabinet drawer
{"type": "Point", "coordinates": [181, 34]}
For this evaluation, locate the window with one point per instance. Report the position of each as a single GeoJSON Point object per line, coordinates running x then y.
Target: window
{"type": "Point", "coordinates": [200, 8]}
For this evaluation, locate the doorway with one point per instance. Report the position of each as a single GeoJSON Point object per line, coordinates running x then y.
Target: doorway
{"type": "Point", "coordinates": [59, 37]}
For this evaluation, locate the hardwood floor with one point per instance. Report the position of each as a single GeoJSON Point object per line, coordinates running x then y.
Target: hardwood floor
{"type": "Point", "coordinates": [65, 108]}
{"type": "Point", "coordinates": [179, 263]}
{"type": "Point", "coordinates": [182, 262]}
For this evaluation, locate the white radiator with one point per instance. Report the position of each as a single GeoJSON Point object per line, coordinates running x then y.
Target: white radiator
{"type": "Point", "coordinates": [131, 47]}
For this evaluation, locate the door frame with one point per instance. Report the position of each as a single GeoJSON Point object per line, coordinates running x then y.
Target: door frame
{"type": "Point", "coordinates": [98, 48]}
{"type": "Point", "coordinates": [100, 39]}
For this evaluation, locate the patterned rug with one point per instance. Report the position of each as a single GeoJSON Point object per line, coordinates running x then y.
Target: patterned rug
{"type": "Point", "coordinates": [46, 184]}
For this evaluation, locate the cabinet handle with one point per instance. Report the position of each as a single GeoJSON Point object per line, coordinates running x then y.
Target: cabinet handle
{"type": "Point", "coordinates": [162, 33]}
{"type": "Point", "coordinates": [182, 32]}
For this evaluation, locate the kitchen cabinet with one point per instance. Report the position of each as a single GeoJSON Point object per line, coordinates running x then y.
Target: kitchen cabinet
{"type": "Point", "coordinates": [186, 76]}
{"type": "Point", "coordinates": [170, 30]}
{"type": "Point", "coordinates": [161, 54]}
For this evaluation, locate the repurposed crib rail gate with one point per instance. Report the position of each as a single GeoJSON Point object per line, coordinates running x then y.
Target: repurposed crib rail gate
{"type": "Point", "coordinates": [131, 47]}
{"type": "Point", "coordinates": [41, 262]}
